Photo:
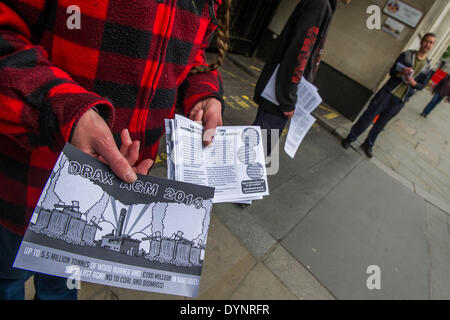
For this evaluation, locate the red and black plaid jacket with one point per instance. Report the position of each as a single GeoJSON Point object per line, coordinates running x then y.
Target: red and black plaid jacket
{"type": "Point", "coordinates": [130, 59]}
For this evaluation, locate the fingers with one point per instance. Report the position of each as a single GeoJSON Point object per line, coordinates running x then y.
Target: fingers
{"type": "Point", "coordinates": [289, 115]}
{"type": "Point", "coordinates": [194, 110]}
{"type": "Point", "coordinates": [144, 166]}
{"type": "Point", "coordinates": [126, 141]}
{"type": "Point", "coordinates": [117, 162]}
{"type": "Point", "coordinates": [198, 116]}
{"type": "Point", "coordinates": [129, 148]}
{"type": "Point", "coordinates": [210, 129]}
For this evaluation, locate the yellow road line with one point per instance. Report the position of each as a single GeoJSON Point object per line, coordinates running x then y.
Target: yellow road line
{"type": "Point", "coordinates": [331, 116]}
{"type": "Point", "coordinates": [240, 102]}
{"type": "Point", "coordinates": [230, 103]}
{"type": "Point", "coordinates": [250, 100]}
{"type": "Point", "coordinates": [325, 108]}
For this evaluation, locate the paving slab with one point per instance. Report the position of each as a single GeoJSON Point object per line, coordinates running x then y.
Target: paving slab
{"type": "Point", "coordinates": [438, 231]}
{"type": "Point", "coordinates": [289, 203]}
{"type": "Point", "coordinates": [308, 155]}
{"type": "Point", "coordinates": [393, 174]}
{"type": "Point", "coordinates": [295, 276]}
{"type": "Point", "coordinates": [368, 219]}
{"type": "Point", "coordinates": [29, 289]}
{"type": "Point", "coordinates": [227, 262]}
{"type": "Point", "coordinates": [246, 228]}
{"type": "Point", "coordinates": [93, 291]}
{"type": "Point", "coordinates": [262, 284]}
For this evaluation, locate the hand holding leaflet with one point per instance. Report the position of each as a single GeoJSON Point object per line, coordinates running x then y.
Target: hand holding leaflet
{"type": "Point", "coordinates": [308, 99]}
{"type": "Point", "coordinates": [234, 163]}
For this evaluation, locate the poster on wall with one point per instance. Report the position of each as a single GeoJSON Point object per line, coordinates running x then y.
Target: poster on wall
{"type": "Point", "coordinates": [89, 225]}
{"type": "Point", "coordinates": [403, 12]}
{"type": "Point", "coordinates": [393, 27]}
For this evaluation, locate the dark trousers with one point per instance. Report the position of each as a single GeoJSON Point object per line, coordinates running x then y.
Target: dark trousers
{"type": "Point", "coordinates": [384, 104]}
{"type": "Point", "coordinates": [12, 280]}
{"type": "Point", "coordinates": [268, 121]}
{"type": "Point", "coordinates": [433, 103]}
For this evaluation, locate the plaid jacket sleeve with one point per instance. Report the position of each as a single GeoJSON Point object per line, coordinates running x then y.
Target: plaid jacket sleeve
{"type": "Point", "coordinates": [200, 86]}
{"type": "Point", "coordinates": [40, 103]}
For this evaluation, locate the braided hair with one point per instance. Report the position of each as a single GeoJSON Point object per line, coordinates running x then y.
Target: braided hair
{"type": "Point", "coordinates": [223, 34]}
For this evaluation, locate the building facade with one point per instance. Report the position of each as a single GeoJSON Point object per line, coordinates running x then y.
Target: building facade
{"type": "Point", "coordinates": [357, 59]}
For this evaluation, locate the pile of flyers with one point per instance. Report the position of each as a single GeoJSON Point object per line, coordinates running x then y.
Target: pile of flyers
{"type": "Point", "coordinates": [233, 164]}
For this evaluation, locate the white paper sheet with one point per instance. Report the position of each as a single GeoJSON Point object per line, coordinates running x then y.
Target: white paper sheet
{"type": "Point", "coordinates": [234, 164]}
{"type": "Point", "coordinates": [308, 99]}
{"type": "Point", "coordinates": [300, 124]}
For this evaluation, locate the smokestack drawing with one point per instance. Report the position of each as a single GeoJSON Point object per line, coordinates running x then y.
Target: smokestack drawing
{"type": "Point", "coordinates": [123, 213]}
{"type": "Point", "coordinates": [51, 197]}
{"type": "Point", "coordinates": [158, 214]}
{"type": "Point", "coordinates": [98, 209]}
{"type": "Point", "coordinates": [207, 206]}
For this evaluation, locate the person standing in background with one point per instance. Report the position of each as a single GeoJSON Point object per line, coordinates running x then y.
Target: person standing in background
{"type": "Point", "coordinates": [441, 91]}
{"type": "Point", "coordinates": [298, 54]}
{"type": "Point", "coordinates": [410, 72]}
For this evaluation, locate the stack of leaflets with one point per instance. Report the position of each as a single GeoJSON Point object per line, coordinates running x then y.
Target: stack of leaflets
{"type": "Point", "coordinates": [90, 226]}
{"type": "Point", "coordinates": [400, 68]}
{"type": "Point", "coordinates": [308, 99]}
{"type": "Point", "coordinates": [234, 164]}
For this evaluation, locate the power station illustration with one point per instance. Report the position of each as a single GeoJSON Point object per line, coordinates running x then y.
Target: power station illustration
{"type": "Point", "coordinates": [60, 221]}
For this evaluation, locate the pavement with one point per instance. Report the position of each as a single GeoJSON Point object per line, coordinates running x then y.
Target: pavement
{"type": "Point", "coordinates": [332, 216]}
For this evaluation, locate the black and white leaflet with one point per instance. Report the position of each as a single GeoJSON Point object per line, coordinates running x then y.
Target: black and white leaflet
{"type": "Point", "coordinates": [149, 235]}
{"type": "Point", "coordinates": [234, 164]}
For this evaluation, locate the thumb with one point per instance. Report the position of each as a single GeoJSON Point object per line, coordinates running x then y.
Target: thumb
{"type": "Point", "coordinates": [210, 130]}
{"type": "Point", "coordinates": [117, 162]}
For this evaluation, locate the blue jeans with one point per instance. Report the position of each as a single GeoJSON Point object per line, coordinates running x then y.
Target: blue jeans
{"type": "Point", "coordinates": [12, 280]}
{"type": "Point", "coordinates": [384, 104]}
{"type": "Point", "coordinates": [269, 121]}
{"type": "Point", "coordinates": [433, 103]}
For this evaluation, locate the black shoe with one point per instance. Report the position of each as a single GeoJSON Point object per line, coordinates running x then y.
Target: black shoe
{"type": "Point", "coordinates": [345, 143]}
{"type": "Point", "coordinates": [367, 150]}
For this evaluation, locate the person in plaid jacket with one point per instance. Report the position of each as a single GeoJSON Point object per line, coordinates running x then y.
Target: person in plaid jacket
{"type": "Point", "coordinates": [106, 86]}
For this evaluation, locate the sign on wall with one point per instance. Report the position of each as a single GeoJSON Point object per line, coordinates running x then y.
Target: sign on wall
{"type": "Point", "coordinates": [393, 27]}
{"type": "Point", "coordinates": [403, 12]}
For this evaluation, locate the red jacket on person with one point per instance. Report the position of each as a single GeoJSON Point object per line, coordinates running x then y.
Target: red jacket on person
{"type": "Point", "coordinates": [129, 59]}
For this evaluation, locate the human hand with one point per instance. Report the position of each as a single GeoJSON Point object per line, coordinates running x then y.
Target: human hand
{"type": "Point", "coordinates": [411, 81]}
{"type": "Point", "coordinates": [407, 72]}
{"type": "Point", "coordinates": [209, 113]}
{"type": "Point", "coordinates": [130, 150]}
{"type": "Point", "coordinates": [289, 115]}
{"type": "Point", "coordinates": [93, 136]}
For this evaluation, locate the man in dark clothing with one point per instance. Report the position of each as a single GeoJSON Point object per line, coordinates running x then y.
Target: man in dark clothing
{"type": "Point", "coordinates": [410, 72]}
{"type": "Point", "coordinates": [441, 91]}
{"type": "Point", "coordinates": [298, 53]}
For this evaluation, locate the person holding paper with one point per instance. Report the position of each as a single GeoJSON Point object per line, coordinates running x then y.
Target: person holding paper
{"type": "Point", "coordinates": [298, 54]}
{"type": "Point", "coordinates": [410, 72]}
{"type": "Point", "coordinates": [102, 75]}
